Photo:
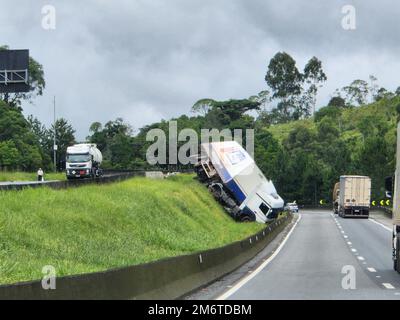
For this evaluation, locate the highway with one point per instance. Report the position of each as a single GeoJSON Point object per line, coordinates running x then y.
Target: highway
{"type": "Point", "coordinates": [308, 264]}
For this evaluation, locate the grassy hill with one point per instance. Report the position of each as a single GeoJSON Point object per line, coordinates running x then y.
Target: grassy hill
{"type": "Point", "coordinates": [95, 228]}
{"type": "Point", "coordinates": [29, 176]}
{"type": "Point", "coordinates": [313, 153]}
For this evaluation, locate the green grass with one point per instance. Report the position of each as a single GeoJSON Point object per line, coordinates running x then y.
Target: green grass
{"type": "Point", "coordinates": [281, 131]}
{"type": "Point", "coordinates": [29, 176]}
{"type": "Point", "coordinates": [96, 228]}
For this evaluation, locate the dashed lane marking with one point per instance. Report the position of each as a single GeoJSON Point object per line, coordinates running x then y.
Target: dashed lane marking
{"type": "Point", "coordinates": [388, 286]}
{"type": "Point", "coordinates": [246, 279]}
{"type": "Point", "coordinates": [360, 258]}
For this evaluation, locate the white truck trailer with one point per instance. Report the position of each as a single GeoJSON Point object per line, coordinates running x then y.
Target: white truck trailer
{"type": "Point", "coordinates": [237, 183]}
{"type": "Point", "coordinates": [396, 203]}
{"type": "Point", "coordinates": [83, 161]}
{"type": "Point", "coordinates": [354, 196]}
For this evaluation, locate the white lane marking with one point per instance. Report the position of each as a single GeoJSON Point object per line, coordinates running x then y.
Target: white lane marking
{"type": "Point", "coordinates": [342, 231]}
{"type": "Point", "coordinates": [354, 250]}
{"type": "Point", "coordinates": [246, 279]}
{"type": "Point", "coordinates": [380, 224]}
{"type": "Point", "coordinates": [371, 269]}
{"type": "Point", "coordinates": [345, 236]}
{"type": "Point", "coordinates": [388, 286]}
{"type": "Point", "coordinates": [360, 258]}
{"type": "Point", "coordinates": [349, 243]}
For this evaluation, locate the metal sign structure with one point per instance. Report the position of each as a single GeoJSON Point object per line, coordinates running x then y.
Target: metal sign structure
{"type": "Point", "coordinates": [14, 71]}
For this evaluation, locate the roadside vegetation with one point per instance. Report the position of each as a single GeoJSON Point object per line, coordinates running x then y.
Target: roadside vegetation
{"type": "Point", "coordinates": [29, 176]}
{"type": "Point", "coordinates": [94, 228]}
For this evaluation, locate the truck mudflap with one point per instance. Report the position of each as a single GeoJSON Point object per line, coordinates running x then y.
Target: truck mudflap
{"type": "Point", "coordinates": [362, 212]}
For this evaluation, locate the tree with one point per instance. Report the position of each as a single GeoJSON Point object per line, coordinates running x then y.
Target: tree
{"type": "Point", "coordinates": [36, 81]}
{"type": "Point", "coordinates": [202, 106]}
{"type": "Point", "coordinates": [262, 98]}
{"type": "Point", "coordinates": [65, 137]}
{"type": "Point", "coordinates": [382, 93]}
{"type": "Point", "coordinates": [356, 92]}
{"type": "Point", "coordinates": [9, 154]}
{"type": "Point", "coordinates": [20, 145]}
{"type": "Point", "coordinates": [337, 101]}
{"type": "Point", "coordinates": [373, 87]}
{"type": "Point", "coordinates": [285, 80]}
{"type": "Point", "coordinates": [314, 76]}
{"type": "Point", "coordinates": [295, 92]}
{"type": "Point", "coordinates": [95, 127]}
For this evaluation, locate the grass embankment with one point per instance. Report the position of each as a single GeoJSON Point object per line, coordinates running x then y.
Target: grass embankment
{"type": "Point", "coordinates": [29, 176]}
{"type": "Point", "coordinates": [94, 228]}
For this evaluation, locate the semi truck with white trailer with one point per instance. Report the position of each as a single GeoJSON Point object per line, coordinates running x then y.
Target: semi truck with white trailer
{"type": "Point", "coordinates": [354, 196]}
{"type": "Point", "coordinates": [83, 161]}
{"type": "Point", "coordinates": [237, 183]}
{"type": "Point", "coordinates": [396, 202]}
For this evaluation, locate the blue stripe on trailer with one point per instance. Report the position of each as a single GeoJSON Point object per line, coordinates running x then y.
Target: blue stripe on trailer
{"type": "Point", "coordinates": [237, 192]}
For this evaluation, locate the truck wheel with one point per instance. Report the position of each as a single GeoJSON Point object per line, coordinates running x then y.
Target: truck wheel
{"type": "Point", "coordinates": [216, 191]}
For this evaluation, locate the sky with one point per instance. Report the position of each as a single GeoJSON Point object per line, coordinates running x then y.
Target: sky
{"type": "Point", "coordinates": [147, 60]}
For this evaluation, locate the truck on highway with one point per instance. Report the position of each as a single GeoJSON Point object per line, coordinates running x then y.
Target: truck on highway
{"type": "Point", "coordinates": [354, 196]}
{"type": "Point", "coordinates": [237, 183]}
{"type": "Point", "coordinates": [83, 161]}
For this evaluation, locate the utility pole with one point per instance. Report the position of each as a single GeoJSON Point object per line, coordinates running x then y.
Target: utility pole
{"type": "Point", "coordinates": [54, 137]}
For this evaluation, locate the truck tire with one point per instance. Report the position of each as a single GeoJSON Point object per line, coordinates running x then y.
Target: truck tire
{"type": "Point", "coordinates": [245, 219]}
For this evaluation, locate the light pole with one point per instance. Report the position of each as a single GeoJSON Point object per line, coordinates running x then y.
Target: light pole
{"type": "Point", "coordinates": [54, 137]}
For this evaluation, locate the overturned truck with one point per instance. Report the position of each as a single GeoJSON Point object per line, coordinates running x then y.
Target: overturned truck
{"type": "Point", "coordinates": [237, 183]}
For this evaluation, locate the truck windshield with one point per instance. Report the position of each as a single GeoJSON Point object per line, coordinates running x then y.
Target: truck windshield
{"type": "Point", "coordinates": [264, 208]}
{"type": "Point", "coordinates": [75, 158]}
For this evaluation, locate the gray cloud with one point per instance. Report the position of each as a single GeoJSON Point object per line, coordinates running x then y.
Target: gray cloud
{"type": "Point", "coordinates": [146, 60]}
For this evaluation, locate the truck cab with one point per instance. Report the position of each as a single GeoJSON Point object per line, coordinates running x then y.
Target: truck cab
{"type": "Point", "coordinates": [237, 183]}
{"type": "Point", "coordinates": [83, 161]}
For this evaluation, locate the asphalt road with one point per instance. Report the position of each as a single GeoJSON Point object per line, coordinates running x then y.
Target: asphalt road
{"type": "Point", "coordinates": [321, 254]}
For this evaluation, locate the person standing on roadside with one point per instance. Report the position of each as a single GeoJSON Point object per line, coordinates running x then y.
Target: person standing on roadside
{"type": "Point", "coordinates": [40, 174]}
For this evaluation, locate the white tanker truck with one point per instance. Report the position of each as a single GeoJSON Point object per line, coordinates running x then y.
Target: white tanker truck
{"type": "Point", "coordinates": [83, 161]}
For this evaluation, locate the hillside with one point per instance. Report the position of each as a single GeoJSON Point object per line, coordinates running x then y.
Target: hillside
{"type": "Point", "coordinates": [313, 153]}
{"type": "Point", "coordinates": [95, 228]}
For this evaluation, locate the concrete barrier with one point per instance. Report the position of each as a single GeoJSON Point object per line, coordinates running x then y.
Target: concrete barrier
{"type": "Point", "coordinates": [169, 278]}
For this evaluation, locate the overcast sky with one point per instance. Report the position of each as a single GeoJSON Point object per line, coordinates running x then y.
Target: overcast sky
{"type": "Point", "coordinates": [145, 60]}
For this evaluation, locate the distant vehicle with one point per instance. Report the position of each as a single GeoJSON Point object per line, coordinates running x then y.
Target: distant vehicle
{"type": "Point", "coordinates": [335, 197]}
{"type": "Point", "coordinates": [354, 196]}
{"type": "Point", "coordinates": [83, 161]}
{"type": "Point", "coordinates": [237, 183]}
{"type": "Point", "coordinates": [292, 207]}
